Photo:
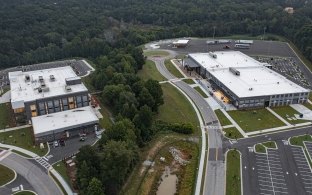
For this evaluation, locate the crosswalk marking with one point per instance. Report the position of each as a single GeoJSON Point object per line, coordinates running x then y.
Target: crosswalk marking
{"type": "Point", "coordinates": [42, 162]}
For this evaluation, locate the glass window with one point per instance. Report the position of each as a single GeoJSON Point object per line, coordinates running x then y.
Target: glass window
{"type": "Point", "coordinates": [78, 98]}
{"type": "Point", "coordinates": [85, 98]}
{"type": "Point", "coordinates": [65, 102]}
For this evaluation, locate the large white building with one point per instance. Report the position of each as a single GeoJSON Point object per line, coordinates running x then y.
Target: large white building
{"type": "Point", "coordinates": [247, 82]}
{"type": "Point", "coordinates": [42, 96]}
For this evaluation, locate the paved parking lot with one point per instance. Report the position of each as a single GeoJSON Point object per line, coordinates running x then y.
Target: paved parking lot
{"type": "Point", "coordinates": [78, 66]}
{"type": "Point", "coordinates": [271, 178]}
{"type": "Point", "coordinates": [287, 66]}
{"type": "Point", "coordinates": [303, 167]}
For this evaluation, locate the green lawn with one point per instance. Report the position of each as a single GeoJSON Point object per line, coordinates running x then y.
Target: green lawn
{"type": "Point", "coordinates": [176, 107]}
{"type": "Point", "coordinates": [232, 133]}
{"type": "Point", "coordinates": [308, 105]}
{"type": "Point", "coordinates": [222, 118]}
{"type": "Point", "coordinates": [288, 112]}
{"type": "Point", "coordinates": [22, 138]}
{"type": "Point", "coordinates": [200, 91]}
{"type": "Point", "coordinates": [6, 175]}
{"type": "Point", "coordinates": [149, 71]}
{"type": "Point", "coordinates": [260, 148]}
{"type": "Point", "coordinates": [189, 81]}
{"type": "Point", "coordinates": [155, 53]}
{"type": "Point", "coordinates": [5, 89]}
{"type": "Point", "coordinates": [298, 140]}
{"type": "Point", "coordinates": [60, 167]}
{"type": "Point", "coordinates": [269, 144]}
{"type": "Point", "coordinates": [172, 69]}
{"type": "Point", "coordinates": [233, 178]}
{"type": "Point", "coordinates": [4, 116]}
{"type": "Point", "coordinates": [253, 120]}
{"type": "Point", "coordinates": [24, 193]}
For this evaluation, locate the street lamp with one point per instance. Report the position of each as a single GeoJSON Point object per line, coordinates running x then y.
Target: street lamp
{"type": "Point", "coordinates": [263, 33]}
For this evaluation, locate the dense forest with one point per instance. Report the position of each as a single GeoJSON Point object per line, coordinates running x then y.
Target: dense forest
{"type": "Point", "coordinates": [34, 31]}
{"type": "Point", "coordinates": [108, 33]}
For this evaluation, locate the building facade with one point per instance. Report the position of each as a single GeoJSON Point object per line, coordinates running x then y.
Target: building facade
{"type": "Point", "coordinates": [264, 87]}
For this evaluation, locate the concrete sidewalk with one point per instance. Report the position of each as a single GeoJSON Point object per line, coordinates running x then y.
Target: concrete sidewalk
{"type": "Point", "coordinates": [278, 116]}
{"type": "Point", "coordinates": [5, 98]}
{"type": "Point", "coordinates": [14, 128]}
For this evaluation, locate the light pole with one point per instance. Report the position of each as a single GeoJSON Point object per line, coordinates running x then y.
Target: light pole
{"type": "Point", "coordinates": [263, 33]}
{"type": "Point", "coordinates": [214, 32]}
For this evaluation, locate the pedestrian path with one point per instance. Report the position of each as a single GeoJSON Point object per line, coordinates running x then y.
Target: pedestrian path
{"type": "Point", "coordinates": [278, 116]}
{"type": "Point", "coordinates": [42, 162]}
{"type": "Point", "coordinates": [234, 123]}
{"type": "Point", "coordinates": [14, 128]}
{"type": "Point", "coordinates": [227, 126]}
{"type": "Point", "coordinates": [5, 98]}
{"type": "Point", "coordinates": [174, 62]}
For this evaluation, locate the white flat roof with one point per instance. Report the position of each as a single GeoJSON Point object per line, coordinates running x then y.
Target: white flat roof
{"type": "Point", "coordinates": [261, 80]}
{"type": "Point", "coordinates": [181, 41]}
{"type": "Point", "coordinates": [65, 120]}
{"type": "Point", "coordinates": [28, 91]}
{"type": "Point", "coordinates": [224, 59]}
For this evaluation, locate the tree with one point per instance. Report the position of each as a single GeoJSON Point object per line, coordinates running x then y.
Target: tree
{"type": "Point", "coordinates": [95, 187]}
{"type": "Point", "coordinates": [155, 90]}
{"type": "Point", "coordinates": [143, 120]}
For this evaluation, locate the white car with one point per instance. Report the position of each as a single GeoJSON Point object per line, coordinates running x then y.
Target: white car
{"type": "Point", "coordinates": [55, 143]}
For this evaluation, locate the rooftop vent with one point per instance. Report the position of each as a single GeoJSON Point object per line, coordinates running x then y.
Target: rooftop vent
{"type": "Point", "coordinates": [45, 89]}
{"type": "Point", "coordinates": [41, 78]}
{"type": "Point", "coordinates": [27, 78]}
{"type": "Point", "coordinates": [234, 71]}
{"type": "Point", "coordinates": [213, 55]}
{"type": "Point", "coordinates": [42, 84]}
{"type": "Point", "coordinates": [68, 88]}
{"type": "Point", "coordinates": [39, 90]}
{"type": "Point", "coordinates": [250, 89]}
{"type": "Point", "coordinates": [52, 78]}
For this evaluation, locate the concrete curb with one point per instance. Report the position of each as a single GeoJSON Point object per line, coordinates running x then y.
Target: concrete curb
{"type": "Point", "coordinates": [26, 191]}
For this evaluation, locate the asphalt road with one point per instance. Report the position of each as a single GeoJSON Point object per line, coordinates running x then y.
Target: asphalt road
{"type": "Point", "coordinates": [214, 182]}
{"type": "Point", "coordinates": [41, 182]}
{"type": "Point", "coordinates": [20, 180]}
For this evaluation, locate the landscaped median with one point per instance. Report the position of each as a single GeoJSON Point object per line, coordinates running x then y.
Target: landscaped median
{"type": "Point", "coordinates": [172, 69]}
{"type": "Point", "coordinates": [261, 147]}
{"type": "Point", "coordinates": [233, 173]}
{"type": "Point", "coordinates": [298, 140]}
{"type": "Point", "coordinates": [6, 175]}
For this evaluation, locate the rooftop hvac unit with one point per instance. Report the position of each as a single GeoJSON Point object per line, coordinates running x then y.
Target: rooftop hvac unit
{"type": "Point", "coordinates": [234, 71]}
{"type": "Point", "coordinates": [41, 78]}
{"type": "Point", "coordinates": [42, 84]}
{"type": "Point", "coordinates": [73, 81]}
{"type": "Point", "coordinates": [213, 55]}
{"type": "Point", "coordinates": [68, 88]}
{"type": "Point", "coordinates": [52, 78]}
{"type": "Point", "coordinates": [39, 90]}
{"type": "Point", "coordinates": [45, 89]}
{"type": "Point", "coordinates": [250, 89]}
{"type": "Point", "coordinates": [27, 78]}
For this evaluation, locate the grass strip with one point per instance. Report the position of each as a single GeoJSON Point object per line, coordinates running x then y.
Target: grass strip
{"type": "Point", "coordinates": [233, 179]}
{"type": "Point", "coordinates": [200, 91]}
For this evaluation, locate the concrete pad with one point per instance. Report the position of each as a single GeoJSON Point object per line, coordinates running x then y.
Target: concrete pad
{"type": "Point", "coordinates": [213, 103]}
{"type": "Point", "coordinates": [307, 113]}
{"type": "Point", "coordinates": [5, 98]}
